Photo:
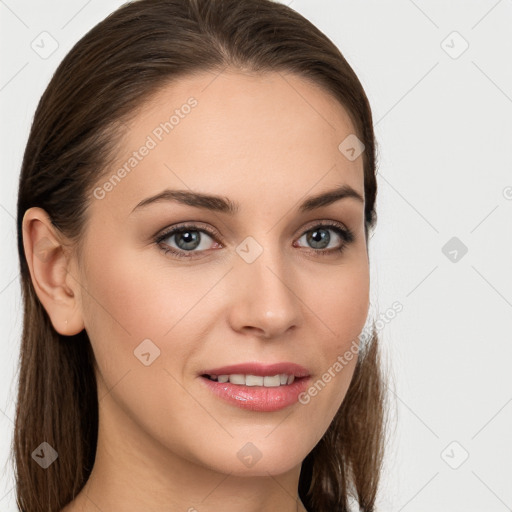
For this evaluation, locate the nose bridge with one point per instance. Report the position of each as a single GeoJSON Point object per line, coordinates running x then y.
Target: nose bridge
{"type": "Point", "coordinates": [264, 298]}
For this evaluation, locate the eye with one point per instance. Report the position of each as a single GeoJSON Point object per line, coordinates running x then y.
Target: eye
{"type": "Point", "coordinates": [190, 239]}
{"type": "Point", "coordinates": [319, 238]}
{"type": "Point", "coordinates": [187, 238]}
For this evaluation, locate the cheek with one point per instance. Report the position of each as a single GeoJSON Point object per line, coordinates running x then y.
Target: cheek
{"type": "Point", "coordinates": [341, 304]}
{"type": "Point", "coordinates": [139, 296]}
{"type": "Point", "coordinates": [341, 307]}
{"type": "Point", "coordinates": [134, 298]}
{"type": "Point", "coordinates": [128, 302]}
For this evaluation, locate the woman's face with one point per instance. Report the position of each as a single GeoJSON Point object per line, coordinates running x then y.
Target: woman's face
{"type": "Point", "coordinates": [250, 285]}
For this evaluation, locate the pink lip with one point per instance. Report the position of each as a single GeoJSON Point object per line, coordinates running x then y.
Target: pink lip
{"type": "Point", "coordinates": [262, 370]}
{"type": "Point", "coordinates": [258, 398]}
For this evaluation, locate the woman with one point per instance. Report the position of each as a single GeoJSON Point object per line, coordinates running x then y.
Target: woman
{"type": "Point", "coordinates": [194, 211]}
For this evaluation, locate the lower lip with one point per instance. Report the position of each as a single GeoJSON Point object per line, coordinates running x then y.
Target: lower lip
{"type": "Point", "coordinates": [258, 398]}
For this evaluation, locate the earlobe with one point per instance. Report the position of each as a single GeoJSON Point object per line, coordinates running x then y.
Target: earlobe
{"type": "Point", "coordinates": [49, 263]}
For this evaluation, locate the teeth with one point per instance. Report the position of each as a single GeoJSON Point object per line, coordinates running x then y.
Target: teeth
{"type": "Point", "coordinates": [272, 382]}
{"type": "Point", "coordinates": [252, 380]}
{"type": "Point", "coordinates": [237, 378]}
{"type": "Point", "coordinates": [255, 380]}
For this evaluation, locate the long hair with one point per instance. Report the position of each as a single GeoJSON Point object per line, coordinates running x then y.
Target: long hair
{"type": "Point", "coordinates": [98, 87]}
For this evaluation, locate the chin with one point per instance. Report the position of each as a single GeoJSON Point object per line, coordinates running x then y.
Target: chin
{"type": "Point", "coordinates": [257, 458]}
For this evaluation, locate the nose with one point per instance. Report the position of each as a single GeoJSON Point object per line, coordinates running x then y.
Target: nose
{"type": "Point", "coordinates": [265, 299]}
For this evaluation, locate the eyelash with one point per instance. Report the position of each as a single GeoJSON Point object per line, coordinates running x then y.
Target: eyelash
{"type": "Point", "coordinates": [345, 234]}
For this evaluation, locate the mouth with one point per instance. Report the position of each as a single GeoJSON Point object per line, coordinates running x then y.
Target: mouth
{"type": "Point", "coordinates": [257, 374]}
{"type": "Point", "coordinates": [256, 386]}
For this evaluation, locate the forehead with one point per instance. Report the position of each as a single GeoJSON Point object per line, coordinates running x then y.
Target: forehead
{"type": "Point", "coordinates": [264, 133]}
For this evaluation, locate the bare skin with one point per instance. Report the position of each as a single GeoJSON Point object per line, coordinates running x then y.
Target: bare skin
{"type": "Point", "coordinates": [165, 442]}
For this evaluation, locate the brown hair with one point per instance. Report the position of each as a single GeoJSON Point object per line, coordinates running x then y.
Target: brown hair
{"type": "Point", "coordinates": [101, 84]}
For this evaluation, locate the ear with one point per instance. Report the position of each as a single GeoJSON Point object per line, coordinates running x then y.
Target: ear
{"type": "Point", "coordinates": [50, 265]}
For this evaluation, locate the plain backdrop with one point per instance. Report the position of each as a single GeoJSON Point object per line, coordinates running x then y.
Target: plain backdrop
{"type": "Point", "coordinates": [439, 78]}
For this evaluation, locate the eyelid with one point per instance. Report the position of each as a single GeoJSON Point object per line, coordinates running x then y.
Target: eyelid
{"type": "Point", "coordinates": [192, 225]}
{"type": "Point", "coordinates": [316, 223]}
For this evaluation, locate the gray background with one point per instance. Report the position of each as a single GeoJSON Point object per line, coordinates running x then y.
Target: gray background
{"type": "Point", "coordinates": [443, 122]}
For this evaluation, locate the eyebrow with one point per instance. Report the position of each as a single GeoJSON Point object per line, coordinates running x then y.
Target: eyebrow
{"type": "Point", "coordinates": [226, 205]}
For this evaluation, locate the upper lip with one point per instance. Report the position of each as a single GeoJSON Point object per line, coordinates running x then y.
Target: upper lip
{"type": "Point", "coordinates": [263, 370]}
